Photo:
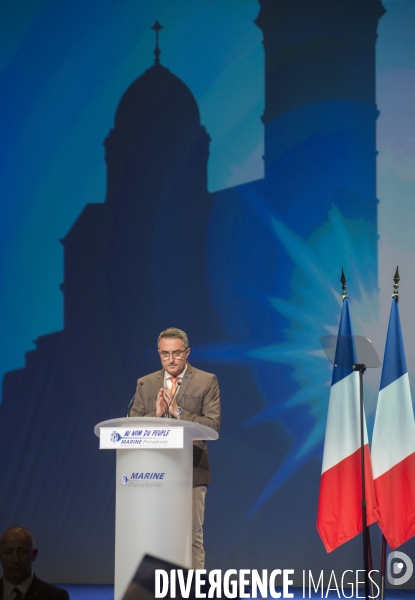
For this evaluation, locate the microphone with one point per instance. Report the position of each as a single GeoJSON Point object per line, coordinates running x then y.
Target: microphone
{"type": "Point", "coordinates": [131, 403]}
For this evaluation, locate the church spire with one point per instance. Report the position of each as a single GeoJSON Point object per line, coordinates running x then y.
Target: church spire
{"type": "Point", "coordinates": [156, 27]}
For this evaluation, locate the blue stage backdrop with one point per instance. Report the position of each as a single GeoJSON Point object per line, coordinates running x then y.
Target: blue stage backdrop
{"type": "Point", "coordinates": [218, 187]}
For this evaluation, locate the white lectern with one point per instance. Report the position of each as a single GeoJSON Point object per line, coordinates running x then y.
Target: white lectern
{"type": "Point", "coordinates": [154, 472]}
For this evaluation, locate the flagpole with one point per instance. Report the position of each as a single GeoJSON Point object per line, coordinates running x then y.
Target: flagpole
{"type": "Point", "coordinates": [361, 368]}
{"type": "Point", "coordinates": [345, 430]}
{"type": "Point", "coordinates": [383, 569]}
{"type": "Point", "coordinates": [395, 296]}
{"type": "Point", "coordinates": [370, 563]}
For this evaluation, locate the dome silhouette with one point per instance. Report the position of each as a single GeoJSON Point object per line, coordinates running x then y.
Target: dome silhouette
{"type": "Point", "coordinates": [156, 131]}
{"type": "Point", "coordinates": [159, 97]}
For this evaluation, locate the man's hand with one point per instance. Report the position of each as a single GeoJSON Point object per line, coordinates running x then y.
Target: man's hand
{"type": "Point", "coordinates": [161, 404]}
{"type": "Point", "coordinates": [171, 402]}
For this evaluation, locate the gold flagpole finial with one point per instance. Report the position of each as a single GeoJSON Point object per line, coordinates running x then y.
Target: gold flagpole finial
{"type": "Point", "coordinates": [343, 282]}
{"type": "Point", "coordinates": [396, 280]}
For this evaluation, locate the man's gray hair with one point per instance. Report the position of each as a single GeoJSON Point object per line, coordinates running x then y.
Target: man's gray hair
{"type": "Point", "coordinates": [173, 332]}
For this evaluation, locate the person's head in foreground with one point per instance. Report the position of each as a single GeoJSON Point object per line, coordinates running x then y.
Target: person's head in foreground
{"type": "Point", "coordinates": [17, 553]}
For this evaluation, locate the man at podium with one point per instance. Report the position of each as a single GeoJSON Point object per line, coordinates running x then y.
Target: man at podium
{"type": "Point", "coordinates": [179, 391]}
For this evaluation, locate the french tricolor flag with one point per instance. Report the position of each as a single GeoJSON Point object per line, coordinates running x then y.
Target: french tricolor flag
{"type": "Point", "coordinates": [393, 443]}
{"type": "Point", "coordinates": [339, 516]}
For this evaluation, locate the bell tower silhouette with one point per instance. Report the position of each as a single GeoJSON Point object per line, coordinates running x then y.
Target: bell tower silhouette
{"type": "Point", "coordinates": [325, 58]}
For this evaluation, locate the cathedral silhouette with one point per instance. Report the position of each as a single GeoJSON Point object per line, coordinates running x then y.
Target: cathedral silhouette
{"type": "Point", "coordinates": [162, 251]}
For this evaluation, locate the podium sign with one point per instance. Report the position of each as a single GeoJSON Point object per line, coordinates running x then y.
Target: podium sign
{"type": "Point", "coordinates": [142, 437]}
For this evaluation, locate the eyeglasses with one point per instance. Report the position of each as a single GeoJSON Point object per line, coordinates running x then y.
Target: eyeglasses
{"type": "Point", "coordinates": [175, 354]}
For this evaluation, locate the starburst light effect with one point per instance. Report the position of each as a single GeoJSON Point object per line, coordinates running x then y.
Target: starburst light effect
{"type": "Point", "coordinates": [312, 310]}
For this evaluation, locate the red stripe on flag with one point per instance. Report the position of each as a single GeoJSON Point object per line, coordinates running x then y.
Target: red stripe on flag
{"type": "Point", "coordinates": [339, 515]}
{"type": "Point", "coordinates": [395, 495]}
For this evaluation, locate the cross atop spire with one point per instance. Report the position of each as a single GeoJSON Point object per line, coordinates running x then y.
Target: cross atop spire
{"type": "Point", "coordinates": [156, 27]}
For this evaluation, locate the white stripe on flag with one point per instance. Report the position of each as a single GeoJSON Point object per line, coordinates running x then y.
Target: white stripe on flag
{"type": "Point", "coordinates": [343, 419]}
{"type": "Point", "coordinates": [394, 431]}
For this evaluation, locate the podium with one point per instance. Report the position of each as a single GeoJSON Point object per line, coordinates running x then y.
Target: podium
{"type": "Point", "coordinates": [154, 476]}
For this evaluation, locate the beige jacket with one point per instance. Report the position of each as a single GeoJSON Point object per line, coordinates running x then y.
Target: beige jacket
{"type": "Point", "coordinates": [198, 396]}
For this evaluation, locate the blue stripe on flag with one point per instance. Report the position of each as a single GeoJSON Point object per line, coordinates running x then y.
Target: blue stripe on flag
{"type": "Point", "coordinates": [394, 361]}
{"type": "Point", "coordinates": [345, 348]}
